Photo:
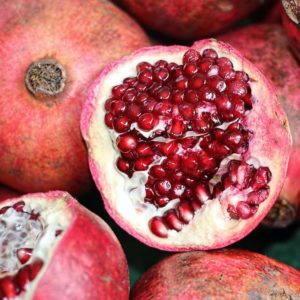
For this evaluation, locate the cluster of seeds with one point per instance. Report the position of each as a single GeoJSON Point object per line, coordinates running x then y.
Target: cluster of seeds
{"type": "Point", "coordinates": [178, 123]}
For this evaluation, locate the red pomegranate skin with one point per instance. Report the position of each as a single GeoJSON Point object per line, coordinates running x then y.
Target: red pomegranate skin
{"type": "Point", "coordinates": [224, 274]}
{"type": "Point", "coordinates": [41, 144]}
{"type": "Point", "coordinates": [267, 47]}
{"type": "Point", "coordinates": [87, 263]}
{"type": "Point", "coordinates": [6, 193]}
{"type": "Point", "coordinates": [292, 29]}
{"type": "Point", "coordinates": [192, 19]}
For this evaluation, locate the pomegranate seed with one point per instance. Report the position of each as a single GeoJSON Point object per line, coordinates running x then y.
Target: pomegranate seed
{"type": "Point", "coordinates": [22, 277]}
{"type": "Point", "coordinates": [223, 103]}
{"type": "Point", "coordinates": [133, 111]}
{"type": "Point", "coordinates": [169, 148]}
{"type": "Point", "coordinates": [177, 128]}
{"type": "Point", "coordinates": [177, 176]}
{"type": "Point", "coordinates": [181, 83]}
{"type": "Point", "coordinates": [158, 227]}
{"type": "Point", "coordinates": [142, 66]}
{"type": "Point", "coordinates": [206, 162]}
{"type": "Point", "coordinates": [243, 210]}
{"type": "Point", "coordinates": [143, 149]}
{"type": "Point", "coordinates": [109, 118]}
{"type": "Point", "coordinates": [261, 178]}
{"type": "Point", "coordinates": [8, 287]}
{"type": "Point", "coordinates": [204, 65]}
{"type": "Point", "coordinates": [131, 81]}
{"type": "Point", "coordinates": [177, 190]}
{"type": "Point", "coordinates": [24, 254]}
{"type": "Point", "coordinates": [141, 164]}
{"type": "Point", "coordinates": [191, 96]}
{"type": "Point", "coordinates": [163, 187]}
{"type": "Point", "coordinates": [177, 96]}
{"type": "Point", "coordinates": [216, 83]}
{"type": "Point", "coordinates": [126, 142]}
{"type": "Point", "coordinates": [191, 56]}
{"type": "Point", "coordinates": [172, 66]}
{"type": "Point", "coordinates": [218, 133]}
{"type": "Point", "coordinates": [149, 194]}
{"type": "Point", "coordinates": [238, 108]}
{"type": "Point", "coordinates": [107, 104]}
{"type": "Point", "coordinates": [35, 268]}
{"type": "Point", "coordinates": [145, 77]}
{"type": "Point", "coordinates": [121, 124]}
{"type": "Point", "coordinates": [207, 94]}
{"type": "Point", "coordinates": [241, 75]}
{"type": "Point", "coordinates": [203, 123]}
{"type": "Point", "coordinates": [163, 108]}
{"type": "Point", "coordinates": [164, 93]}
{"type": "Point", "coordinates": [196, 82]}
{"type": "Point", "coordinates": [189, 163]}
{"type": "Point", "coordinates": [157, 171]}
{"type": "Point", "coordinates": [210, 53]}
{"type": "Point", "coordinates": [257, 197]}
{"type": "Point", "coordinates": [123, 165]}
{"type": "Point", "coordinates": [149, 105]}
{"type": "Point", "coordinates": [224, 62]}
{"type": "Point", "coordinates": [142, 97]}
{"type": "Point", "coordinates": [160, 74]}
{"type": "Point", "coordinates": [202, 192]}
{"type": "Point", "coordinates": [162, 201]}
{"type": "Point", "coordinates": [119, 90]}
{"type": "Point", "coordinates": [189, 142]}
{"type": "Point", "coordinates": [161, 63]}
{"type": "Point", "coordinates": [185, 211]}
{"type": "Point", "coordinates": [4, 209]}
{"type": "Point", "coordinates": [218, 150]}
{"type": "Point", "coordinates": [172, 220]}
{"type": "Point", "coordinates": [172, 163]}
{"type": "Point", "coordinates": [147, 121]}
{"type": "Point", "coordinates": [129, 95]}
{"type": "Point", "coordinates": [232, 139]}
{"type": "Point", "coordinates": [189, 69]}
{"type": "Point", "coordinates": [238, 88]}
{"type": "Point", "coordinates": [189, 181]}
{"type": "Point", "coordinates": [140, 87]}
{"type": "Point", "coordinates": [227, 73]}
{"type": "Point", "coordinates": [186, 110]}
{"type": "Point", "coordinates": [232, 212]}
{"type": "Point", "coordinates": [19, 206]}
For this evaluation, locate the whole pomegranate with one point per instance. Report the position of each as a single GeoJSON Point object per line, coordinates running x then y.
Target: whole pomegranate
{"type": "Point", "coordinates": [50, 52]}
{"type": "Point", "coordinates": [267, 47]}
{"type": "Point", "coordinates": [225, 274]}
{"type": "Point", "coordinates": [54, 248]}
{"type": "Point", "coordinates": [6, 193]}
{"type": "Point", "coordinates": [291, 20]}
{"type": "Point", "coordinates": [188, 146]}
{"type": "Point", "coordinates": [189, 19]}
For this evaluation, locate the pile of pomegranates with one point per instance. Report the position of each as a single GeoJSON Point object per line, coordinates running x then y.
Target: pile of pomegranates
{"type": "Point", "coordinates": [176, 122]}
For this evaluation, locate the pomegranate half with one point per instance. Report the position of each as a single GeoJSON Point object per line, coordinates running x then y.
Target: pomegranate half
{"type": "Point", "coordinates": [188, 146]}
{"type": "Point", "coordinates": [189, 19]}
{"type": "Point", "coordinates": [225, 274]}
{"type": "Point", "coordinates": [291, 23]}
{"type": "Point", "coordinates": [267, 47]}
{"type": "Point", "coordinates": [54, 248]}
{"type": "Point", "coordinates": [50, 52]}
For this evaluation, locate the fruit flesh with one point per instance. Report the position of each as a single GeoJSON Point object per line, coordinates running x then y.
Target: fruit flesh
{"type": "Point", "coordinates": [225, 274]}
{"type": "Point", "coordinates": [132, 213]}
{"type": "Point", "coordinates": [85, 267]}
{"type": "Point", "coordinates": [267, 47]}
{"type": "Point", "coordinates": [35, 155]}
{"type": "Point", "coordinates": [189, 19]}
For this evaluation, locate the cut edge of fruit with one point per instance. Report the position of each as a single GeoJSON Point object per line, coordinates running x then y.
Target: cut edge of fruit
{"type": "Point", "coordinates": [106, 174]}
{"type": "Point", "coordinates": [48, 242]}
{"type": "Point", "coordinates": [292, 9]}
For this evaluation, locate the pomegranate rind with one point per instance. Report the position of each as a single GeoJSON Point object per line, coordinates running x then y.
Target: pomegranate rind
{"type": "Point", "coordinates": [87, 261]}
{"type": "Point", "coordinates": [219, 230]}
{"type": "Point", "coordinates": [267, 47]}
{"type": "Point", "coordinates": [225, 274]}
{"type": "Point", "coordinates": [6, 193]}
{"type": "Point", "coordinates": [189, 19]}
{"type": "Point", "coordinates": [42, 149]}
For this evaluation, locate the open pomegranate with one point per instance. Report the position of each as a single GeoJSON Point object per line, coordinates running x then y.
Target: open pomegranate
{"type": "Point", "coordinates": [291, 23]}
{"type": "Point", "coordinates": [188, 146]}
{"type": "Point", "coordinates": [225, 274]}
{"type": "Point", "coordinates": [189, 19]}
{"type": "Point", "coordinates": [267, 47]}
{"type": "Point", "coordinates": [50, 52]}
{"type": "Point", "coordinates": [54, 248]}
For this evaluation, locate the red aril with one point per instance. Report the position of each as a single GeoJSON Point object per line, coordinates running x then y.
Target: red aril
{"type": "Point", "coordinates": [203, 167]}
{"type": "Point", "coordinates": [52, 247]}
{"type": "Point", "coordinates": [225, 274]}
{"type": "Point", "coordinates": [50, 53]}
{"type": "Point", "coordinates": [267, 47]}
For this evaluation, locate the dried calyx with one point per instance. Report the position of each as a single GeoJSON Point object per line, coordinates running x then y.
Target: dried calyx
{"type": "Point", "coordinates": [182, 128]}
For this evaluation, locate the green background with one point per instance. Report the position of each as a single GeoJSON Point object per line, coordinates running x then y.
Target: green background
{"type": "Point", "coordinates": [281, 244]}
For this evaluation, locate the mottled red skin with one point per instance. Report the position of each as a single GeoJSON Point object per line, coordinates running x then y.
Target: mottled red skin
{"type": "Point", "coordinates": [292, 30]}
{"type": "Point", "coordinates": [225, 274]}
{"type": "Point", "coordinates": [6, 193]}
{"type": "Point", "coordinates": [267, 47]}
{"type": "Point", "coordinates": [41, 145]}
{"type": "Point", "coordinates": [192, 19]}
{"type": "Point", "coordinates": [87, 263]}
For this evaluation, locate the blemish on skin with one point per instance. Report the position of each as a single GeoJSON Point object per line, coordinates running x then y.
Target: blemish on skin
{"type": "Point", "coordinates": [226, 6]}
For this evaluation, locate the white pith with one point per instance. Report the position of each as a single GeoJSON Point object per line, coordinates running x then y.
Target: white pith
{"type": "Point", "coordinates": [212, 223]}
{"type": "Point", "coordinates": [52, 217]}
{"type": "Point", "coordinates": [290, 6]}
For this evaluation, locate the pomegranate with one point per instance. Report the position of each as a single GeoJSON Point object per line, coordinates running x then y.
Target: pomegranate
{"type": "Point", "coordinates": [50, 51]}
{"type": "Point", "coordinates": [273, 13]}
{"type": "Point", "coordinates": [54, 248]}
{"type": "Point", "coordinates": [6, 193]}
{"type": "Point", "coordinates": [184, 19]}
{"type": "Point", "coordinates": [291, 18]}
{"type": "Point", "coordinates": [223, 274]}
{"type": "Point", "coordinates": [182, 147]}
{"type": "Point", "coordinates": [267, 47]}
